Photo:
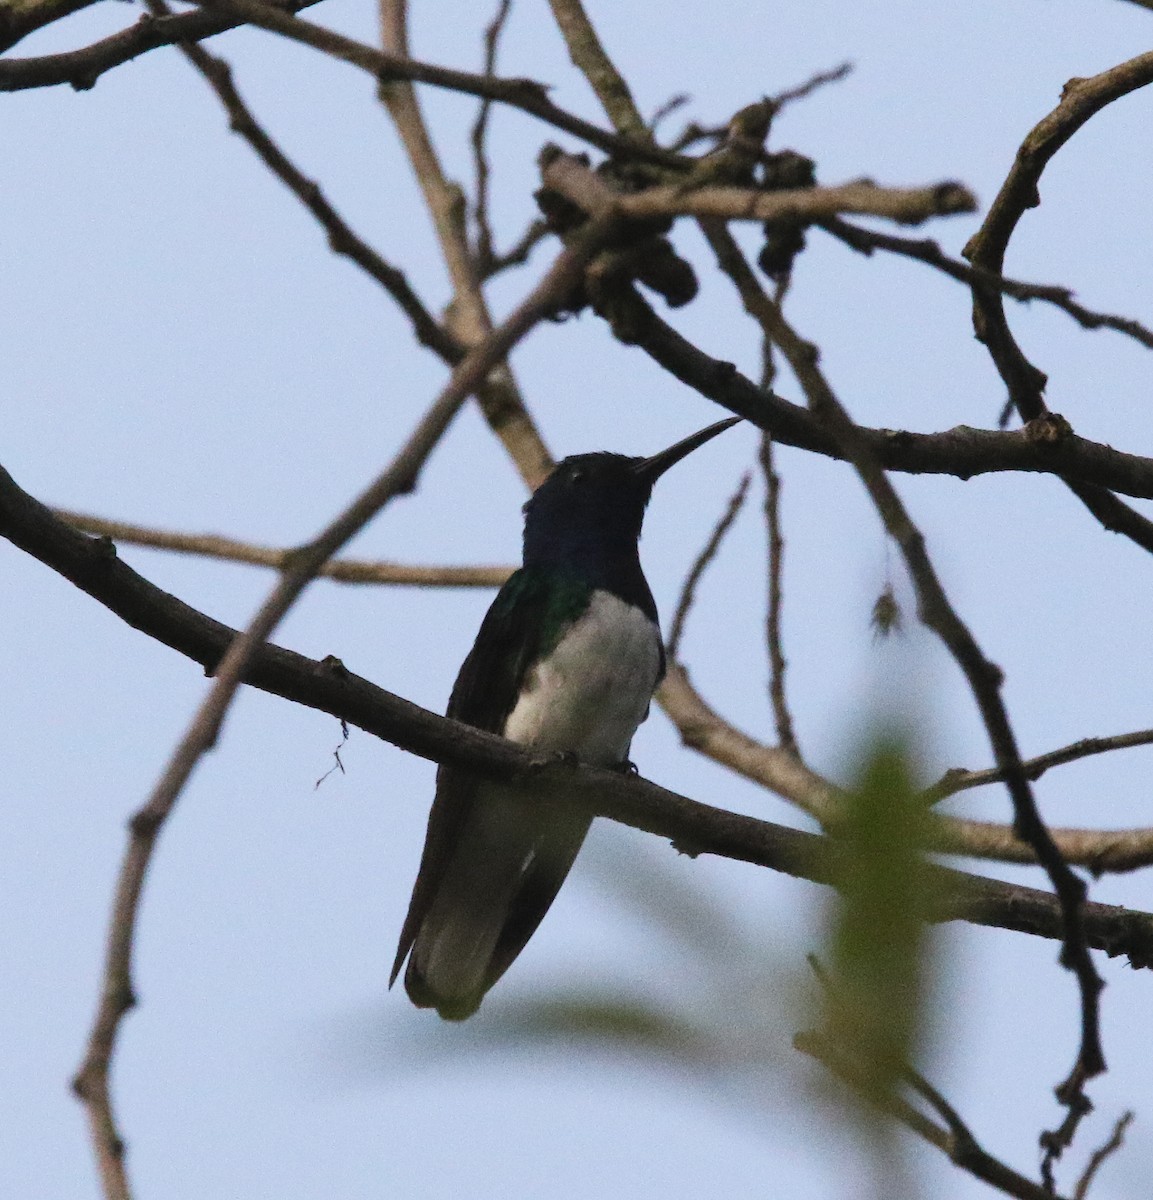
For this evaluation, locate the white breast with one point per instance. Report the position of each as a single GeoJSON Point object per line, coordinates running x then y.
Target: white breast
{"type": "Point", "coordinates": [593, 691]}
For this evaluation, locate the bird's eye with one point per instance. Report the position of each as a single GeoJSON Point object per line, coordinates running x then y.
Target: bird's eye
{"type": "Point", "coordinates": [577, 475]}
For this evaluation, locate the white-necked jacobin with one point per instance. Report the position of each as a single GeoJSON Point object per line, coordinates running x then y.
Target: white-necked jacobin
{"type": "Point", "coordinates": [567, 659]}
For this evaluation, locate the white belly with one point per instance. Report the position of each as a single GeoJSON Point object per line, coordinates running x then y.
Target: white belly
{"type": "Point", "coordinates": [591, 693]}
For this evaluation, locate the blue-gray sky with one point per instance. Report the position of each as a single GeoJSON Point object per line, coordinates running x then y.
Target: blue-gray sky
{"type": "Point", "coordinates": [181, 349]}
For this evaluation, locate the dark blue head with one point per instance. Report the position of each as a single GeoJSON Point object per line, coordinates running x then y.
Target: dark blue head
{"type": "Point", "coordinates": [587, 514]}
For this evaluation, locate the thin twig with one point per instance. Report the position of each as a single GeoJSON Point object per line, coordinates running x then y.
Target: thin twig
{"type": "Point", "coordinates": [388, 66]}
{"type": "Point", "coordinates": [664, 111]}
{"type": "Point", "coordinates": [210, 545]}
{"type": "Point", "coordinates": [816, 81]}
{"type": "Point", "coordinates": [92, 1080]}
{"type": "Point", "coordinates": [341, 237]}
{"type": "Point", "coordinates": [483, 248]}
{"type": "Point", "coordinates": [694, 133]}
{"type": "Point", "coordinates": [1098, 1157]}
{"type": "Point", "coordinates": [786, 737]}
{"type": "Point", "coordinates": [957, 779]}
{"type": "Point", "coordinates": [701, 564]}
{"type": "Point", "coordinates": [757, 304]}
{"type": "Point", "coordinates": [954, 1138]}
{"type": "Point", "coordinates": [518, 253]}
{"type": "Point", "coordinates": [925, 250]}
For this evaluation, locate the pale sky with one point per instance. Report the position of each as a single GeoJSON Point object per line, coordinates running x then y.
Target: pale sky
{"type": "Point", "coordinates": [181, 350]}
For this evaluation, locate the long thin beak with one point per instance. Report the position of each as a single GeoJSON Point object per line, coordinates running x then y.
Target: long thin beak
{"type": "Point", "coordinates": [651, 469]}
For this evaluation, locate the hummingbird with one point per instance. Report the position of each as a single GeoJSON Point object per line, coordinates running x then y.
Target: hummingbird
{"type": "Point", "coordinates": [566, 662]}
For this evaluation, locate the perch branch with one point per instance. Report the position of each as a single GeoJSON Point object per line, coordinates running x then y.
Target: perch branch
{"type": "Point", "coordinates": [710, 734]}
{"type": "Point", "coordinates": [327, 686]}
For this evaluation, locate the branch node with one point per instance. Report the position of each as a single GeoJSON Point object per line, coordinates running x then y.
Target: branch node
{"type": "Point", "coordinates": [145, 823]}
{"type": "Point", "coordinates": [1049, 429]}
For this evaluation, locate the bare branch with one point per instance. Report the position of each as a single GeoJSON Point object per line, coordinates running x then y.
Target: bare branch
{"type": "Point", "coordinates": [1098, 1157]}
{"type": "Point", "coordinates": [19, 18]}
{"type": "Point", "coordinates": [1025, 383]}
{"type": "Point", "coordinates": [591, 59]}
{"type": "Point", "coordinates": [955, 1138]}
{"type": "Point", "coordinates": [81, 69]}
{"type": "Point", "coordinates": [840, 1052]}
{"type": "Point", "coordinates": [500, 399]}
{"type": "Point", "coordinates": [1080, 100]}
{"type": "Point", "coordinates": [815, 82]}
{"type": "Point", "coordinates": [341, 238]}
{"type": "Point", "coordinates": [957, 779]}
{"type": "Point", "coordinates": [391, 66]}
{"type": "Point", "coordinates": [701, 727]}
{"type": "Point", "coordinates": [984, 679]}
{"type": "Point", "coordinates": [706, 731]}
{"type": "Point", "coordinates": [570, 177]}
{"type": "Point", "coordinates": [936, 612]}
{"type": "Point", "coordinates": [701, 564]}
{"type": "Point", "coordinates": [781, 716]}
{"type": "Point", "coordinates": [1046, 446]}
{"type": "Point", "coordinates": [483, 252]}
{"type": "Point", "coordinates": [210, 545]}
{"type": "Point", "coordinates": [694, 132]}
{"type": "Point", "coordinates": [925, 250]}
{"type": "Point", "coordinates": [519, 252]}
{"type": "Point", "coordinates": [664, 111]}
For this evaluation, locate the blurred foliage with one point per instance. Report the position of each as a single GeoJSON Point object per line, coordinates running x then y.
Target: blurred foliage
{"type": "Point", "coordinates": [877, 946]}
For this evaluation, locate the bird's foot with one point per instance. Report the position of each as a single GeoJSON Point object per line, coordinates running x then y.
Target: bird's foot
{"type": "Point", "coordinates": [556, 758]}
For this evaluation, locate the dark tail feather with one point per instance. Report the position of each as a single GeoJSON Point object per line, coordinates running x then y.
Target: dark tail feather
{"type": "Point", "coordinates": [505, 873]}
{"type": "Point", "coordinates": [539, 887]}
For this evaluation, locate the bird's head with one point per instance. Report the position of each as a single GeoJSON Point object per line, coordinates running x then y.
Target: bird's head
{"type": "Point", "coordinates": [595, 503]}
